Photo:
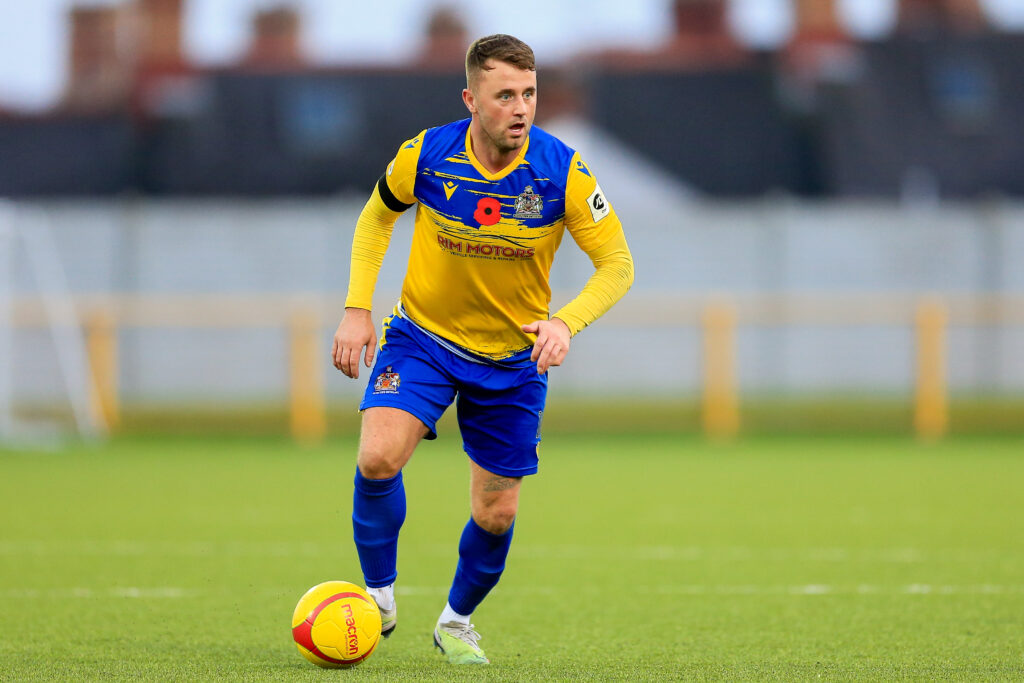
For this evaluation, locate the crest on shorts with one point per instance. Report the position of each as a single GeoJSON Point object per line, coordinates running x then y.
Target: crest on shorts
{"type": "Point", "coordinates": [528, 204]}
{"type": "Point", "coordinates": [387, 382]}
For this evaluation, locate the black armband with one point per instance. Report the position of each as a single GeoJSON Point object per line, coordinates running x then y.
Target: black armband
{"type": "Point", "coordinates": [390, 200]}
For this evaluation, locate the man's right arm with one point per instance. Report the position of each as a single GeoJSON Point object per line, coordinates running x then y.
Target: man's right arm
{"type": "Point", "coordinates": [355, 336]}
{"type": "Point", "coordinates": [370, 243]}
{"type": "Point", "coordinates": [392, 195]}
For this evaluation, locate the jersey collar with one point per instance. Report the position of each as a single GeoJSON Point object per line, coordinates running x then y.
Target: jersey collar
{"type": "Point", "coordinates": [503, 172]}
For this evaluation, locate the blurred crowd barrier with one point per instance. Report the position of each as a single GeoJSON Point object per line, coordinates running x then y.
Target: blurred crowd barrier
{"type": "Point", "coordinates": [221, 303]}
{"type": "Point", "coordinates": [924, 115]}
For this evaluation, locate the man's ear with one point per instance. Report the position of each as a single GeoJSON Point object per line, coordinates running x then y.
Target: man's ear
{"type": "Point", "coordinates": [469, 100]}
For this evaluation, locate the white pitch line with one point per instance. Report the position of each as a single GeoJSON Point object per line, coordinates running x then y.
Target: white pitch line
{"type": "Point", "coordinates": [567, 552]}
{"type": "Point", "coordinates": [128, 548]}
{"type": "Point", "coordinates": [824, 589]}
{"type": "Point", "coordinates": [133, 592]}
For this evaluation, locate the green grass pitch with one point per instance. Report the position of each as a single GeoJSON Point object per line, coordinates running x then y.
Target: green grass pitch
{"type": "Point", "coordinates": [640, 557]}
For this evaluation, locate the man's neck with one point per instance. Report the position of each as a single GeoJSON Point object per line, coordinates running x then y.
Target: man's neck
{"type": "Point", "coordinates": [486, 153]}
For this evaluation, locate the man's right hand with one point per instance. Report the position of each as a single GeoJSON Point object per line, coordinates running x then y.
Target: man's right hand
{"type": "Point", "coordinates": [355, 333]}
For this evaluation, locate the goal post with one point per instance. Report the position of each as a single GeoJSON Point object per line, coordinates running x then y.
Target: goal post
{"type": "Point", "coordinates": [26, 240]}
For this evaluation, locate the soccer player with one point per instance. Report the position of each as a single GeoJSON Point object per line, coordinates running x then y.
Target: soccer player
{"type": "Point", "coordinates": [494, 196]}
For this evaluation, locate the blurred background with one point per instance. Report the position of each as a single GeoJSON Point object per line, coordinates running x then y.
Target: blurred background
{"type": "Point", "coordinates": [823, 198]}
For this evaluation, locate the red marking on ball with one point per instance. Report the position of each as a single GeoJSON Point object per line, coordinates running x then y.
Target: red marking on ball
{"type": "Point", "coordinates": [303, 633]}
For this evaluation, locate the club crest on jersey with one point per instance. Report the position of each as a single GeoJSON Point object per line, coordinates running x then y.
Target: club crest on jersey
{"type": "Point", "coordinates": [528, 204]}
{"type": "Point", "coordinates": [387, 382]}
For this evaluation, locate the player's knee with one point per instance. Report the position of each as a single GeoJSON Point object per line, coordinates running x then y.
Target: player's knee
{"type": "Point", "coordinates": [379, 464]}
{"type": "Point", "coordinates": [496, 519]}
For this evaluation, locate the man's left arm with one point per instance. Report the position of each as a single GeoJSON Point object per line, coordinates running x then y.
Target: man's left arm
{"type": "Point", "coordinates": [613, 275]}
{"type": "Point", "coordinates": [597, 230]}
{"type": "Point", "coordinates": [612, 278]}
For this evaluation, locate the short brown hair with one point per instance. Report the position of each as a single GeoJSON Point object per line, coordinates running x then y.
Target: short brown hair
{"type": "Point", "coordinates": [500, 47]}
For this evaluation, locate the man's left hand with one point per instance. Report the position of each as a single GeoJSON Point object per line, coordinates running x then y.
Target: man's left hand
{"type": "Point", "coordinates": [552, 343]}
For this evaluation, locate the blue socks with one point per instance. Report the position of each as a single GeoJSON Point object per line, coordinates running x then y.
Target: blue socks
{"type": "Point", "coordinates": [481, 562]}
{"type": "Point", "coordinates": [378, 511]}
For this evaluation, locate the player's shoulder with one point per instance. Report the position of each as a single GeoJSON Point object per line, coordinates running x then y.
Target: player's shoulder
{"type": "Point", "coordinates": [550, 155]}
{"type": "Point", "coordinates": [444, 141]}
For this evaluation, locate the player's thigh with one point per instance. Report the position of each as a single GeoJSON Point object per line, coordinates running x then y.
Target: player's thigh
{"type": "Point", "coordinates": [387, 440]}
{"type": "Point", "coordinates": [407, 392]}
{"type": "Point", "coordinates": [500, 419]}
{"type": "Point", "coordinates": [494, 498]}
{"type": "Point", "coordinates": [410, 374]}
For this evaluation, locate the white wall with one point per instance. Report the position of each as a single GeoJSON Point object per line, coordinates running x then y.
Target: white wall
{"type": "Point", "coordinates": [684, 254]}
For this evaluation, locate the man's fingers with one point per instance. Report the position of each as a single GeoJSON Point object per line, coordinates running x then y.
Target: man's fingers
{"type": "Point", "coordinates": [368, 356]}
{"type": "Point", "coordinates": [343, 361]}
{"type": "Point", "coordinates": [538, 347]}
{"type": "Point", "coordinates": [337, 353]}
{"type": "Point", "coordinates": [542, 358]}
{"type": "Point", "coordinates": [355, 333]}
{"type": "Point", "coordinates": [346, 358]}
{"type": "Point", "coordinates": [551, 355]}
{"type": "Point", "coordinates": [558, 356]}
{"type": "Point", "coordinates": [353, 363]}
{"type": "Point", "coordinates": [551, 346]}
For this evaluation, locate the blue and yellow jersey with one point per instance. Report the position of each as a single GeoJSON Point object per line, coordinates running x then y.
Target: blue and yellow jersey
{"type": "Point", "coordinates": [483, 243]}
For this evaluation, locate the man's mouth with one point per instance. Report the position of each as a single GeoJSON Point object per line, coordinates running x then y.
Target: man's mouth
{"type": "Point", "coordinates": [517, 128]}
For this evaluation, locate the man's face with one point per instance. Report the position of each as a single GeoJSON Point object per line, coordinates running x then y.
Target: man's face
{"type": "Point", "coordinates": [504, 100]}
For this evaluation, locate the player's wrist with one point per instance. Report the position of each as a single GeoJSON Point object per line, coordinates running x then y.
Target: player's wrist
{"type": "Point", "coordinates": [556, 319]}
{"type": "Point", "coordinates": [358, 313]}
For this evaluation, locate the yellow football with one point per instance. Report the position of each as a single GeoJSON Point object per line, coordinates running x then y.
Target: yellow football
{"type": "Point", "coordinates": [336, 624]}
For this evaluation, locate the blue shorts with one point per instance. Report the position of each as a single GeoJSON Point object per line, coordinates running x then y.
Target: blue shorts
{"type": "Point", "coordinates": [500, 404]}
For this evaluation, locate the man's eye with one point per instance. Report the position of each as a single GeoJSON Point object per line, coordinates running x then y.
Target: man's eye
{"type": "Point", "coordinates": [506, 97]}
